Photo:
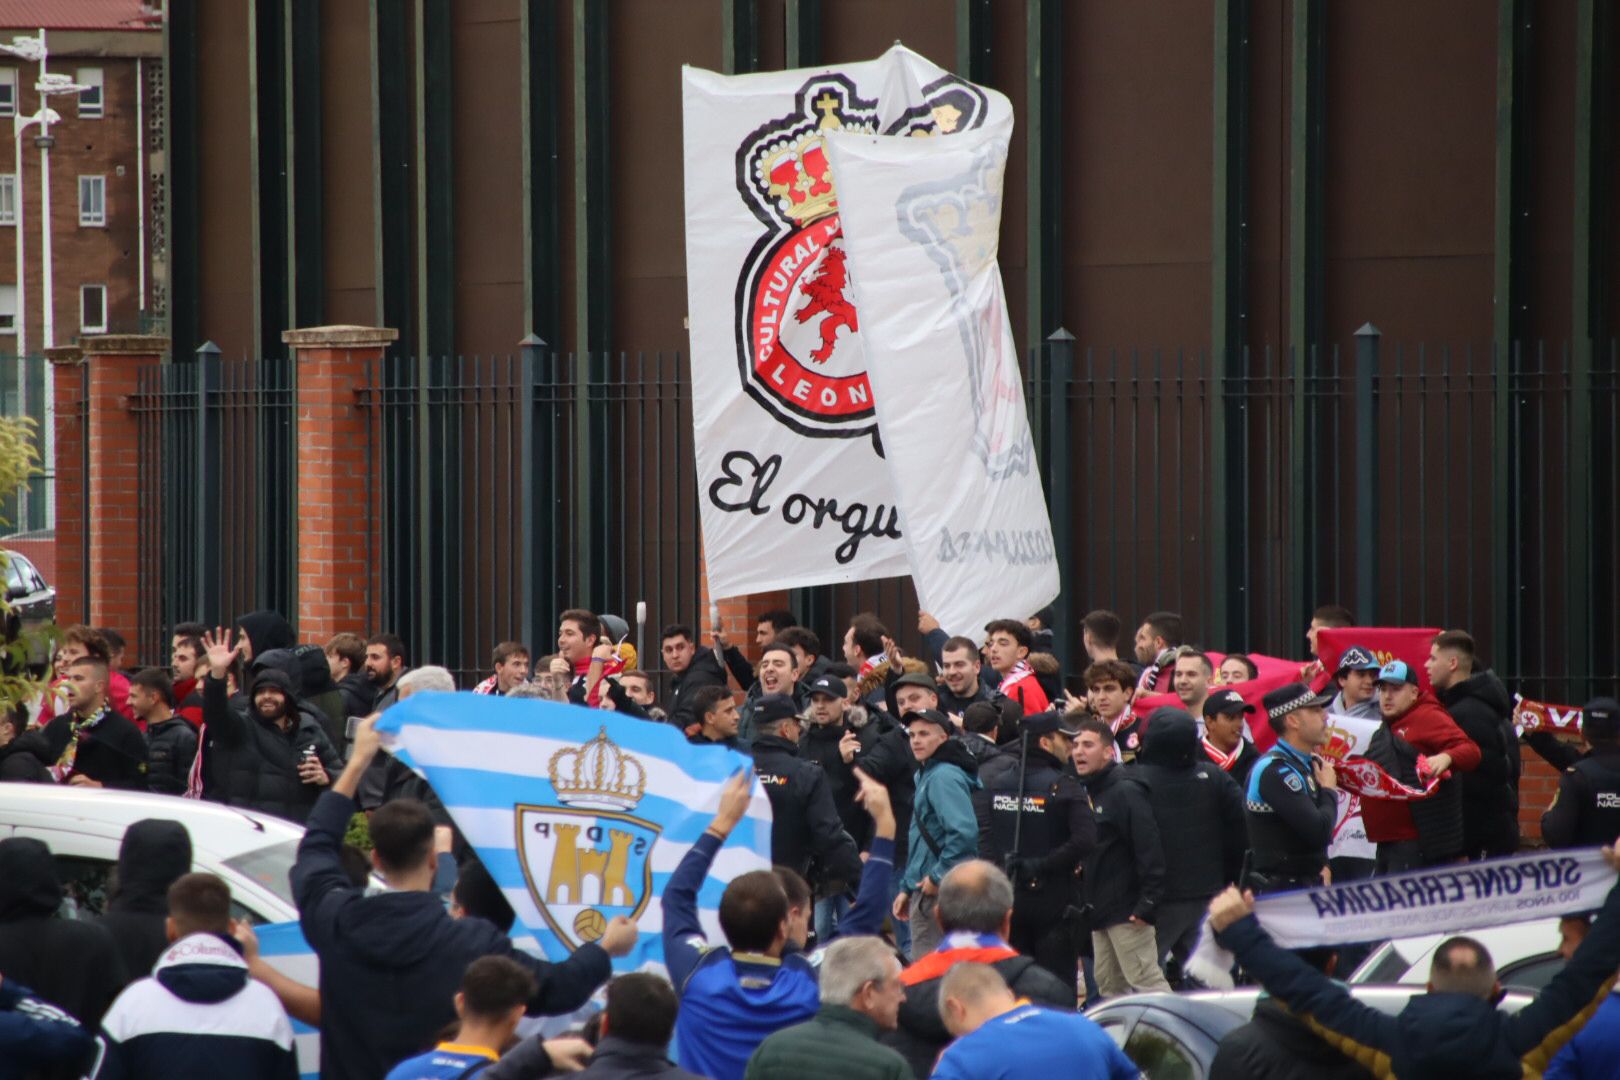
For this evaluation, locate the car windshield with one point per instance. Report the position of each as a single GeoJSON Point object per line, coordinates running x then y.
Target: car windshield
{"type": "Point", "coordinates": [269, 866]}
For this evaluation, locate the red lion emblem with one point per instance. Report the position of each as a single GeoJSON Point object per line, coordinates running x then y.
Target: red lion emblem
{"type": "Point", "coordinates": [826, 293]}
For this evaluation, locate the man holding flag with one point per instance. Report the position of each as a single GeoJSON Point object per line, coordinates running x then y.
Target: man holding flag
{"type": "Point", "coordinates": [1291, 803]}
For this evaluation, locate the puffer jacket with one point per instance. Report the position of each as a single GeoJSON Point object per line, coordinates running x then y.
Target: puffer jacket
{"type": "Point", "coordinates": [1198, 808]}
{"type": "Point", "coordinates": [155, 852]}
{"type": "Point", "coordinates": [250, 762]}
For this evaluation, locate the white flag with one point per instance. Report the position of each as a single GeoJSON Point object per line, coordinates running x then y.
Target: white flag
{"type": "Point", "coordinates": [922, 223]}
{"type": "Point", "coordinates": [792, 483]}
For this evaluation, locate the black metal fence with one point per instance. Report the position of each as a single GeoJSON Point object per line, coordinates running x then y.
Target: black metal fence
{"type": "Point", "coordinates": [1415, 484]}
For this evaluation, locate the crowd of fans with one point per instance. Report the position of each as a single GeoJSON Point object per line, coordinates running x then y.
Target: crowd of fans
{"type": "Point", "coordinates": [967, 852]}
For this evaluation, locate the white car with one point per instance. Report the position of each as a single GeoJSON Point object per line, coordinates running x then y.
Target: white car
{"type": "Point", "coordinates": [84, 826]}
{"type": "Point", "coordinates": [1526, 955]}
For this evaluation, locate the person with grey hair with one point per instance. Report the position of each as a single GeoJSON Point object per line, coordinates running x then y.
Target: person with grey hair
{"type": "Point", "coordinates": [975, 915]}
{"type": "Point", "coordinates": [861, 992]}
{"type": "Point", "coordinates": [997, 1035]}
{"type": "Point", "coordinates": [389, 779]}
{"type": "Point", "coordinates": [431, 677]}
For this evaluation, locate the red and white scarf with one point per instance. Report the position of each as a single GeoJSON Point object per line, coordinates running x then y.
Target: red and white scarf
{"type": "Point", "coordinates": [1221, 757]}
{"type": "Point", "coordinates": [1015, 675]}
{"type": "Point", "coordinates": [487, 686]}
{"type": "Point", "coordinates": [1365, 778]}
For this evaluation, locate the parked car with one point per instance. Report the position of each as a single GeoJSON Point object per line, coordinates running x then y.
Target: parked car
{"type": "Point", "coordinates": [253, 852]}
{"type": "Point", "coordinates": [33, 605]}
{"type": "Point", "coordinates": [1174, 1036]}
{"type": "Point", "coordinates": [1526, 956]}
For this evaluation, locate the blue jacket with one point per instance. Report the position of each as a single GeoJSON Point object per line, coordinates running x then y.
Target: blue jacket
{"type": "Point", "coordinates": [1595, 1052]}
{"type": "Point", "coordinates": [731, 1001]}
{"type": "Point", "coordinates": [198, 1015]}
{"type": "Point", "coordinates": [35, 1034]}
{"type": "Point", "coordinates": [1440, 1035]}
{"type": "Point", "coordinates": [391, 963]}
{"type": "Point", "coordinates": [943, 806]}
{"type": "Point", "coordinates": [1031, 1041]}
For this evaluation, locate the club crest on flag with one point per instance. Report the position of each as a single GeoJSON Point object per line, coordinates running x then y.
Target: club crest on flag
{"type": "Point", "coordinates": [590, 858]}
{"type": "Point", "coordinates": [798, 346]}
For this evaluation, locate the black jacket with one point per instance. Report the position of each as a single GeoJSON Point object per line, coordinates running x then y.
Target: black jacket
{"type": "Point", "coordinates": [819, 746]}
{"type": "Point", "coordinates": [807, 834]}
{"type": "Point", "coordinates": [705, 670]}
{"type": "Point", "coordinates": [359, 693]}
{"type": "Point", "coordinates": [889, 761]}
{"type": "Point", "coordinates": [1586, 810]}
{"type": "Point", "coordinates": [922, 1034]}
{"type": "Point", "coordinates": [950, 704]}
{"type": "Point", "coordinates": [391, 964]}
{"type": "Point", "coordinates": [171, 746]}
{"type": "Point", "coordinates": [1054, 832]}
{"type": "Point", "coordinates": [267, 630]}
{"type": "Point", "coordinates": [1482, 707]}
{"type": "Point", "coordinates": [154, 853]}
{"type": "Point", "coordinates": [73, 965]}
{"type": "Point", "coordinates": [1277, 1045]}
{"type": "Point", "coordinates": [113, 753]}
{"type": "Point", "coordinates": [250, 762]}
{"type": "Point", "coordinates": [311, 678]}
{"type": "Point", "coordinates": [1124, 874]}
{"type": "Point", "coordinates": [1198, 808]}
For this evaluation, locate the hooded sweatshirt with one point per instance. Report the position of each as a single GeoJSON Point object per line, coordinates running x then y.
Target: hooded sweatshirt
{"type": "Point", "coordinates": [249, 761]}
{"type": "Point", "coordinates": [1482, 708]}
{"type": "Point", "coordinates": [1197, 805]}
{"type": "Point", "coordinates": [71, 964]}
{"type": "Point", "coordinates": [391, 963]}
{"type": "Point", "coordinates": [267, 630]}
{"type": "Point", "coordinates": [153, 855]}
{"type": "Point", "coordinates": [198, 1015]}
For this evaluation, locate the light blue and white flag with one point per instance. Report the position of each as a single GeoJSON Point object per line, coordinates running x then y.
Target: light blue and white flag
{"type": "Point", "coordinates": [283, 947]}
{"type": "Point", "coordinates": [579, 815]}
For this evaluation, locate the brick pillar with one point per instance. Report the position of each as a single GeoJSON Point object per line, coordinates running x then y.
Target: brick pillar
{"type": "Point", "coordinates": [111, 453]}
{"type": "Point", "coordinates": [738, 614]}
{"type": "Point", "coordinates": [71, 413]}
{"type": "Point", "coordinates": [339, 511]}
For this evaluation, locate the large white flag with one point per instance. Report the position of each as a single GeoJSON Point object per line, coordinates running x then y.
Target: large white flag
{"type": "Point", "coordinates": [792, 481]}
{"type": "Point", "coordinates": [922, 224]}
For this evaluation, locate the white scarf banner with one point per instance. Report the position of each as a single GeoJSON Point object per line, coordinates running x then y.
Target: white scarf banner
{"type": "Point", "coordinates": [797, 485]}
{"type": "Point", "coordinates": [1450, 899]}
{"type": "Point", "coordinates": [1349, 736]}
{"type": "Point", "coordinates": [922, 225]}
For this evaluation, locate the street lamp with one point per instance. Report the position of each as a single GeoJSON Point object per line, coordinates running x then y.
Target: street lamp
{"type": "Point", "coordinates": [22, 123]}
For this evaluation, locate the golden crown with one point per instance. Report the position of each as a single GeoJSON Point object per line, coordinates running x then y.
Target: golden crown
{"type": "Point", "coordinates": [597, 775]}
{"type": "Point", "coordinates": [795, 171]}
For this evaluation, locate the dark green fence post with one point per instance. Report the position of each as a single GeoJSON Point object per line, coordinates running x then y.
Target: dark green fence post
{"type": "Point", "coordinates": [207, 498]}
{"type": "Point", "coordinates": [1367, 339]}
{"type": "Point", "coordinates": [529, 604]}
{"type": "Point", "coordinates": [1060, 370]}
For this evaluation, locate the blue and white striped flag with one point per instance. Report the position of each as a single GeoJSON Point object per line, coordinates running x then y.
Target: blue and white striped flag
{"type": "Point", "coordinates": [579, 815]}
{"type": "Point", "coordinates": [283, 947]}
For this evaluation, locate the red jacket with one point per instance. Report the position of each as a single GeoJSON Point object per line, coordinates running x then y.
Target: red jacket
{"type": "Point", "coordinates": [1427, 726]}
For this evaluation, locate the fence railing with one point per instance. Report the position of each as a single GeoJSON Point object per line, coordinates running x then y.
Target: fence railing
{"type": "Point", "coordinates": [1414, 484]}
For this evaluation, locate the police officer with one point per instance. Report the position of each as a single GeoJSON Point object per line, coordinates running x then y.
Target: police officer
{"type": "Point", "coordinates": [1586, 810]}
{"type": "Point", "coordinates": [806, 833]}
{"type": "Point", "coordinates": [1038, 827]}
{"type": "Point", "coordinates": [1291, 803]}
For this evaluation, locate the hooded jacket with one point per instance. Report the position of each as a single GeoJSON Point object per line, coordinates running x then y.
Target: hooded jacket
{"type": "Point", "coordinates": [1124, 871]}
{"type": "Point", "coordinates": [248, 761]}
{"type": "Point", "coordinates": [153, 855]}
{"type": "Point", "coordinates": [267, 630]}
{"type": "Point", "coordinates": [359, 693]}
{"type": "Point", "coordinates": [391, 963]}
{"type": "Point", "coordinates": [71, 964]}
{"type": "Point", "coordinates": [807, 834]}
{"type": "Point", "coordinates": [39, 1041]}
{"type": "Point", "coordinates": [1480, 705]}
{"type": "Point", "coordinates": [198, 1015]}
{"type": "Point", "coordinates": [311, 677]}
{"type": "Point", "coordinates": [1430, 730]}
{"type": "Point", "coordinates": [1197, 806]}
{"type": "Point", "coordinates": [944, 830]}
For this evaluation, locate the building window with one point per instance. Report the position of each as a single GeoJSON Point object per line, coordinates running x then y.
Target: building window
{"type": "Point", "coordinates": [8, 309]}
{"type": "Point", "coordinates": [93, 309]}
{"type": "Point", "coordinates": [8, 91]}
{"type": "Point", "coordinates": [92, 200]}
{"type": "Point", "coordinates": [90, 98]}
{"type": "Point", "coordinates": [8, 198]}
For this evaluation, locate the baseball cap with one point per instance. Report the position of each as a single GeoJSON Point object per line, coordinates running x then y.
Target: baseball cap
{"type": "Point", "coordinates": [1050, 721]}
{"type": "Point", "coordinates": [915, 678]}
{"type": "Point", "coordinates": [772, 707]}
{"type": "Point", "coordinates": [1398, 671]}
{"type": "Point", "coordinates": [931, 716]}
{"type": "Point", "coordinates": [828, 685]}
{"type": "Point", "coordinates": [1357, 658]}
{"type": "Point", "coordinates": [1296, 695]}
{"type": "Point", "coordinates": [1601, 717]}
{"type": "Point", "coordinates": [1221, 702]}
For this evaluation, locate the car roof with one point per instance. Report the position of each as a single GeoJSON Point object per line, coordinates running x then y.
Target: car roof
{"type": "Point", "coordinates": [221, 830]}
{"type": "Point", "coordinates": [1506, 944]}
{"type": "Point", "coordinates": [1218, 1011]}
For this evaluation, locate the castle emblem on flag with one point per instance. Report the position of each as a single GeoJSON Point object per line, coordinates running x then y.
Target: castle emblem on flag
{"type": "Point", "coordinates": [588, 859]}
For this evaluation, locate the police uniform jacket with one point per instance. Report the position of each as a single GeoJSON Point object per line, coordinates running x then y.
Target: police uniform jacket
{"type": "Point", "coordinates": [1586, 810]}
{"type": "Point", "coordinates": [1290, 816]}
{"type": "Point", "coordinates": [806, 832]}
{"type": "Point", "coordinates": [1057, 829]}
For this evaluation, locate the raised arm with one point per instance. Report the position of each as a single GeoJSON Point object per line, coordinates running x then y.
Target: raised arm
{"type": "Point", "coordinates": [865, 916]}
{"type": "Point", "coordinates": [684, 943]}
{"type": "Point", "coordinates": [320, 884]}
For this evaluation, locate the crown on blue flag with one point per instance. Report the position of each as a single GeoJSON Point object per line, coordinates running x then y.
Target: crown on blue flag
{"type": "Point", "coordinates": [597, 775]}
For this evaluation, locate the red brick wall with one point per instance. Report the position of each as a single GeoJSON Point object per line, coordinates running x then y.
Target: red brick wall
{"type": "Point", "coordinates": [739, 615]}
{"type": "Point", "coordinates": [1537, 786]}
